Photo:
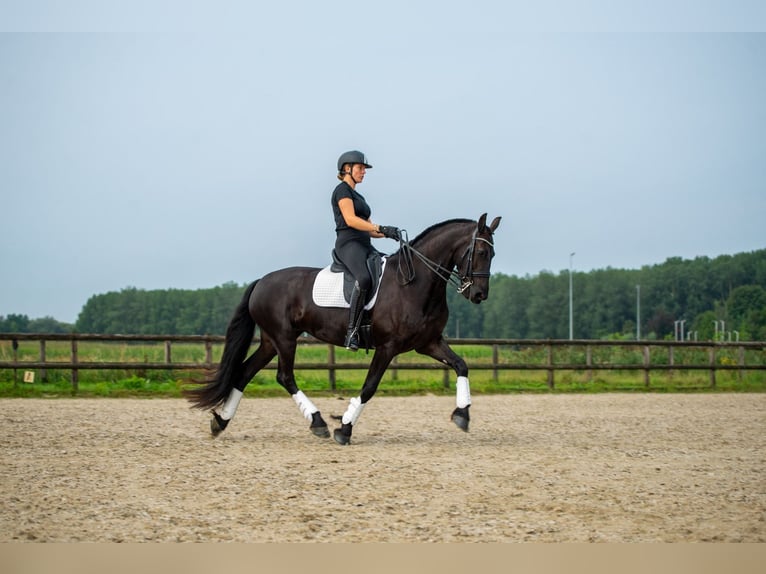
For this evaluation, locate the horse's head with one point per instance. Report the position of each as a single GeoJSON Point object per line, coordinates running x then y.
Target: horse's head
{"type": "Point", "coordinates": [475, 263]}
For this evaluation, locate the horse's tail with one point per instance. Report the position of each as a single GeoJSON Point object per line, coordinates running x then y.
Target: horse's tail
{"type": "Point", "coordinates": [239, 334]}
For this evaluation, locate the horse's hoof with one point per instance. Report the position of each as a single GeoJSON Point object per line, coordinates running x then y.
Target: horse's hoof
{"type": "Point", "coordinates": [318, 426]}
{"type": "Point", "coordinates": [217, 424]}
{"type": "Point", "coordinates": [461, 418]}
{"type": "Point", "coordinates": [341, 438]}
{"type": "Point", "coordinates": [342, 435]}
{"type": "Point", "coordinates": [461, 422]}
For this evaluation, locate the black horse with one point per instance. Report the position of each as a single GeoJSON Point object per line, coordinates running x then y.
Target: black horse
{"type": "Point", "coordinates": [410, 313]}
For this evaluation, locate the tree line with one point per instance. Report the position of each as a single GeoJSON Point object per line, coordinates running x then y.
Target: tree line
{"type": "Point", "coordinates": [607, 302]}
{"type": "Point", "coordinates": [706, 293]}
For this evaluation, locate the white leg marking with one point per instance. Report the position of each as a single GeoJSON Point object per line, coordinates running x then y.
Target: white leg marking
{"type": "Point", "coordinates": [355, 408]}
{"type": "Point", "coordinates": [231, 404]}
{"type": "Point", "coordinates": [463, 392]}
{"type": "Point", "coordinates": [305, 405]}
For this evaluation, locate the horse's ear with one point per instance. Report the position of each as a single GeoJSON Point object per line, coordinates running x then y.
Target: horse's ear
{"type": "Point", "coordinates": [494, 224]}
{"type": "Point", "coordinates": [482, 221]}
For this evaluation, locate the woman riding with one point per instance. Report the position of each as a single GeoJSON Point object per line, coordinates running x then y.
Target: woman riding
{"type": "Point", "coordinates": [353, 230]}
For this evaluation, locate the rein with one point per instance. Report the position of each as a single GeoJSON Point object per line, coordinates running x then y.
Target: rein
{"type": "Point", "coordinates": [406, 271]}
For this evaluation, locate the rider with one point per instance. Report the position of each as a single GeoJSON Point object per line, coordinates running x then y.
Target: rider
{"type": "Point", "coordinates": [354, 229]}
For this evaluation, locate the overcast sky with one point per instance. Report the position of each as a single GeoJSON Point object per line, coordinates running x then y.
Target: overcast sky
{"type": "Point", "coordinates": [179, 147]}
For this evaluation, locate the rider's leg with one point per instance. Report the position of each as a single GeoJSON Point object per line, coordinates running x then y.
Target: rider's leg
{"type": "Point", "coordinates": [354, 255]}
{"type": "Point", "coordinates": [358, 297]}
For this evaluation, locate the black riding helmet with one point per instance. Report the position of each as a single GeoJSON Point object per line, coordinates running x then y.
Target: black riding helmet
{"type": "Point", "coordinates": [352, 157]}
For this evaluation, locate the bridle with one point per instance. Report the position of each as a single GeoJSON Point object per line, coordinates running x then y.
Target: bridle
{"type": "Point", "coordinates": [452, 276]}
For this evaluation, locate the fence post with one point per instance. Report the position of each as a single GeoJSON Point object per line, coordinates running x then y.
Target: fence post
{"type": "Point", "coordinates": [589, 362]}
{"type": "Point", "coordinates": [331, 365]}
{"type": "Point", "coordinates": [494, 362]}
{"type": "Point", "coordinates": [43, 372]}
{"type": "Point", "coordinates": [646, 365]}
{"type": "Point", "coordinates": [671, 360]}
{"type": "Point", "coordinates": [167, 353]}
{"type": "Point", "coordinates": [15, 345]}
{"type": "Point", "coordinates": [208, 352]}
{"type": "Point", "coordinates": [394, 370]}
{"type": "Point", "coordinates": [711, 357]}
{"type": "Point", "coordinates": [549, 361]}
{"type": "Point", "coordinates": [740, 361]}
{"type": "Point", "coordinates": [75, 372]}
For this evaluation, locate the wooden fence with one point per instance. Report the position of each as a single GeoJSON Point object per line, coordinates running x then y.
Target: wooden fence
{"type": "Point", "coordinates": [551, 348]}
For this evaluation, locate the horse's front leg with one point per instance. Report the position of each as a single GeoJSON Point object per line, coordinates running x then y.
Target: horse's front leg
{"type": "Point", "coordinates": [380, 361]}
{"type": "Point", "coordinates": [442, 352]}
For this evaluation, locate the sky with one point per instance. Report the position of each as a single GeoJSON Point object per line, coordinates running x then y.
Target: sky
{"type": "Point", "coordinates": [189, 144]}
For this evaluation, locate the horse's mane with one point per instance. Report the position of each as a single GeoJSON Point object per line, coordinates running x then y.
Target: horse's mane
{"type": "Point", "coordinates": [436, 226]}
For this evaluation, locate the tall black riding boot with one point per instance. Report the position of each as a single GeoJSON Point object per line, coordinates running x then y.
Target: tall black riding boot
{"type": "Point", "coordinates": [355, 318]}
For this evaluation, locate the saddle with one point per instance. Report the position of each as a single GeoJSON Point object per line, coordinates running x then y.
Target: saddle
{"type": "Point", "coordinates": [333, 284]}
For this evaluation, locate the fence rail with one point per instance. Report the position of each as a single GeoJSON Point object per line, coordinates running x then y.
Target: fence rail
{"type": "Point", "coordinates": [549, 346]}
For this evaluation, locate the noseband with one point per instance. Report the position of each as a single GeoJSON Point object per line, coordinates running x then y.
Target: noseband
{"type": "Point", "coordinates": [467, 280]}
{"type": "Point", "coordinates": [461, 283]}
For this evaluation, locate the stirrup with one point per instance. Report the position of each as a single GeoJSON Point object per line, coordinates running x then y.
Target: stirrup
{"type": "Point", "coordinates": [352, 340]}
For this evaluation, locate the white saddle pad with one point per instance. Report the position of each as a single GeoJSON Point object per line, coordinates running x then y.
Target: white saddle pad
{"type": "Point", "coordinates": [328, 289]}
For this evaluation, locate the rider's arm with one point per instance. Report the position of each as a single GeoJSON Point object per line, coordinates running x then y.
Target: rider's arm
{"type": "Point", "coordinates": [346, 206]}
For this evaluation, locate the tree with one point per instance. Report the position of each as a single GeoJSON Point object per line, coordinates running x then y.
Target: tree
{"type": "Point", "coordinates": [703, 325]}
{"type": "Point", "coordinates": [14, 324]}
{"type": "Point", "coordinates": [730, 288]}
{"type": "Point", "coordinates": [49, 325]}
{"type": "Point", "coordinates": [746, 309]}
{"type": "Point", "coordinates": [660, 324]}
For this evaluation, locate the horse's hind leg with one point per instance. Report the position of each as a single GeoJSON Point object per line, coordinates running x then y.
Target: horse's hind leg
{"type": "Point", "coordinates": [380, 361]}
{"type": "Point", "coordinates": [286, 378]}
{"type": "Point", "coordinates": [259, 359]}
{"type": "Point", "coordinates": [311, 413]}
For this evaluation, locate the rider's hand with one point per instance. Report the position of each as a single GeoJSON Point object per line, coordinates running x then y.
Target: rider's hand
{"type": "Point", "coordinates": [390, 232]}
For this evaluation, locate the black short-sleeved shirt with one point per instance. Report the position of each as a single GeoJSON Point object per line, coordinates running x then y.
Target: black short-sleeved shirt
{"type": "Point", "coordinates": [361, 209]}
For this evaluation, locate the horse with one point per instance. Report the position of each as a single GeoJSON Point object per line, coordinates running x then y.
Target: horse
{"type": "Point", "coordinates": [410, 313]}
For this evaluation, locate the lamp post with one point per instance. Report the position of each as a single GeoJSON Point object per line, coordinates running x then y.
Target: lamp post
{"type": "Point", "coordinates": [571, 322]}
{"type": "Point", "coordinates": [638, 312]}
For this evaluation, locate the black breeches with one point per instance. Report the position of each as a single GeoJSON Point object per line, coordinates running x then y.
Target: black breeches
{"type": "Point", "coordinates": [354, 255]}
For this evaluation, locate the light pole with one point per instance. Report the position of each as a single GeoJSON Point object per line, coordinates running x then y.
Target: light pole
{"type": "Point", "coordinates": [638, 312]}
{"type": "Point", "coordinates": [571, 322]}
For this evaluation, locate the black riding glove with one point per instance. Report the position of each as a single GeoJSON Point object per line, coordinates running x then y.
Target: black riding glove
{"type": "Point", "coordinates": [391, 232]}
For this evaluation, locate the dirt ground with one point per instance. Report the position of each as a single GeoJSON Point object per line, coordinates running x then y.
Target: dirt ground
{"type": "Point", "coordinates": [556, 468]}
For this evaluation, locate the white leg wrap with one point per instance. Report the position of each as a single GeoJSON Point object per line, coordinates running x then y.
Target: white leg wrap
{"type": "Point", "coordinates": [353, 411]}
{"type": "Point", "coordinates": [305, 405]}
{"type": "Point", "coordinates": [463, 392]}
{"type": "Point", "coordinates": [231, 404]}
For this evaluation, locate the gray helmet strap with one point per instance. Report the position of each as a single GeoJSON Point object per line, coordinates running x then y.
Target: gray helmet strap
{"type": "Point", "coordinates": [351, 173]}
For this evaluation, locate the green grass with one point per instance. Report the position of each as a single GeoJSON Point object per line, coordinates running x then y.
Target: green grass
{"type": "Point", "coordinates": [408, 383]}
{"type": "Point", "coordinates": [398, 380]}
